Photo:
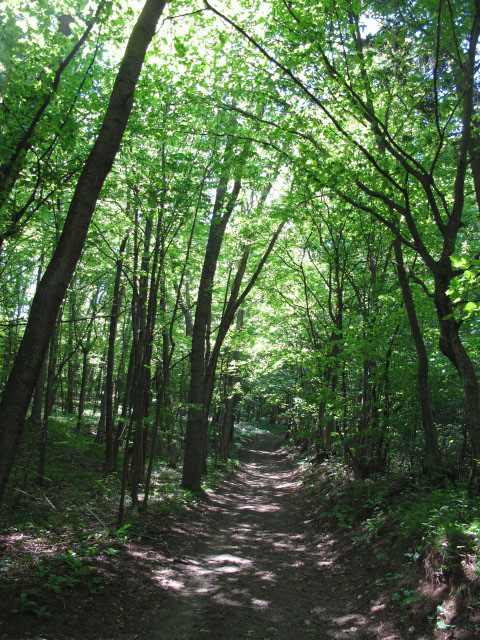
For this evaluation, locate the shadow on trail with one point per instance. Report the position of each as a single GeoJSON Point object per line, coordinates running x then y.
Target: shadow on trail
{"type": "Point", "coordinates": [253, 569]}
{"type": "Point", "coordinates": [246, 563]}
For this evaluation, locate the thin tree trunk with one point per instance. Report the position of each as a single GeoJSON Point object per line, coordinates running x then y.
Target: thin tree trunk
{"type": "Point", "coordinates": [126, 402]}
{"type": "Point", "coordinates": [228, 424]}
{"type": "Point", "coordinates": [195, 436]}
{"type": "Point", "coordinates": [232, 401]}
{"type": "Point", "coordinates": [69, 400]}
{"type": "Point", "coordinates": [227, 318]}
{"type": "Point", "coordinates": [37, 403]}
{"type": "Point", "coordinates": [451, 346]}
{"type": "Point", "coordinates": [162, 390]}
{"type": "Point", "coordinates": [83, 390]}
{"type": "Point", "coordinates": [139, 382]}
{"type": "Point", "coordinates": [109, 418]}
{"type": "Point", "coordinates": [52, 288]}
{"type": "Point", "coordinates": [432, 451]}
{"type": "Point", "coordinates": [100, 436]}
{"type": "Point", "coordinates": [49, 401]}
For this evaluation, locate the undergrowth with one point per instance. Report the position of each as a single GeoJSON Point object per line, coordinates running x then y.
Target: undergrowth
{"type": "Point", "coordinates": [411, 524]}
{"type": "Point", "coordinates": [245, 430]}
{"type": "Point", "coordinates": [58, 532]}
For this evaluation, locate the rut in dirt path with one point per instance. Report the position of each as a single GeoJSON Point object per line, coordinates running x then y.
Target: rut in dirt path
{"type": "Point", "coordinates": [255, 568]}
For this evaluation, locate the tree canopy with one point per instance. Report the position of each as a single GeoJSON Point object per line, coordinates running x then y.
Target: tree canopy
{"type": "Point", "coordinates": [241, 210]}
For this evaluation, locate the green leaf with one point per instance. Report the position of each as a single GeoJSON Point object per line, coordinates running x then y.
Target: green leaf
{"type": "Point", "coordinates": [470, 307]}
{"type": "Point", "coordinates": [441, 624]}
{"type": "Point", "coordinates": [459, 262]}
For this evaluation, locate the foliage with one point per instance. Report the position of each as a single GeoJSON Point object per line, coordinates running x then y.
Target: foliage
{"type": "Point", "coordinates": [354, 125]}
{"type": "Point", "coordinates": [418, 521]}
{"type": "Point", "coordinates": [23, 603]}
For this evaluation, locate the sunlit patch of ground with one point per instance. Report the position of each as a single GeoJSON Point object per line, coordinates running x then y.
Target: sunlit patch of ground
{"type": "Point", "coordinates": [256, 572]}
{"type": "Point", "coordinates": [246, 563]}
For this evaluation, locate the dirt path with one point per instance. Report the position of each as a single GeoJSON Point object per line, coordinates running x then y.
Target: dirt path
{"type": "Point", "coordinates": [256, 570]}
{"type": "Point", "coordinates": [246, 563]}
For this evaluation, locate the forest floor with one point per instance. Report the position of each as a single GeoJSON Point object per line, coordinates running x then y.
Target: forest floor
{"type": "Point", "coordinates": [246, 562]}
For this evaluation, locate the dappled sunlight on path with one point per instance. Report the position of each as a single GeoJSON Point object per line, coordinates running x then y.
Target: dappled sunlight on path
{"type": "Point", "coordinates": [254, 568]}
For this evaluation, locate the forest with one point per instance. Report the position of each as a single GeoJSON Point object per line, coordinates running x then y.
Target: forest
{"type": "Point", "coordinates": [239, 265]}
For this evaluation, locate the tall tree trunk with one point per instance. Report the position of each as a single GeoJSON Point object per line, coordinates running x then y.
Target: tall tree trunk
{"type": "Point", "coordinates": [52, 288]}
{"type": "Point", "coordinates": [432, 451]}
{"type": "Point", "coordinates": [195, 437]}
{"type": "Point", "coordinates": [233, 305]}
{"type": "Point", "coordinates": [201, 389]}
{"type": "Point", "coordinates": [140, 374]}
{"type": "Point", "coordinates": [37, 403]}
{"type": "Point", "coordinates": [232, 401]}
{"type": "Point", "coordinates": [69, 400]}
{"type": "Point", "coordinates": [49, 401]}
{"type": "Point", "coordinates": [126, 404]}
{"type": "Point", "coordinates": [100, 435]}
{"type": "Point", "coordinates": [161, 418]}
{"type": "Point", "coordinates": [451, 346]}
{"type": "Point", "coordinates": [330, 381]}
{"type": "Point", "coordinates": [109, 418]}
{"type": "Point", "coordinates": [228, 424]}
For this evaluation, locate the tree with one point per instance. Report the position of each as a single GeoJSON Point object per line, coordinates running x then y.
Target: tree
{"type": "Point", "coordinates": [425, 169]}
{"type": "Point", "coordinates": [53, 285]}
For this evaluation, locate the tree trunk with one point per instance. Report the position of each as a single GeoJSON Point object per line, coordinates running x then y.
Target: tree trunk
{"type": "Point", "coordinates": [49, 401]}
{"type": "Point", "coordinates": [37, 403]}
{"type": "Point", "coordinates": [109, 418]}
{"type": "Point", "coordinates": [228, 424]}
{"type": "Point", "coordinates": [69, 401]}
{"type": "Point", "coordinates": [232, 401]}
{"type": "Point", "coordinates": [161, 418]}
{"type": "Point", "coordinates": [451, 346]}
{"type": "Point", "coordinates": [83, 391]}
{"type": "Point", "coordinates": [52, 288]}
{"type": "Point", "coordinates": [195, 436]}
{"type": "Point", "coordinates": [432, 451]}
{"type": "Point", "coordinates": [140, 374]}
{"type": "Point", "coordinates": [100, 436]}
{"type": "Point", "coordinates": [126, 402]}
{"type": "Point", "coordinates": [228, 316]}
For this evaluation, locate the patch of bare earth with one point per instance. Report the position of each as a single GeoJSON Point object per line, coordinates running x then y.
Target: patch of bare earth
{"type": "Point", "coordinates": [246, 563]}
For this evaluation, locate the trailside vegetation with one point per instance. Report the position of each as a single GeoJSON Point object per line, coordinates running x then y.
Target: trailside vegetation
{"type": "Point", "coordinates": [222, 213]}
